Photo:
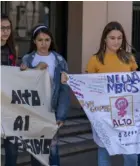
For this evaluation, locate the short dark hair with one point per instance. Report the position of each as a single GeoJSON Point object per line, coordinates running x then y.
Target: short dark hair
{"type": "Point", "coordinates": [35, 32]}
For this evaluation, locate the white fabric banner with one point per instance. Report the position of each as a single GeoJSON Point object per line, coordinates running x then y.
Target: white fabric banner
{"type": "Point", "coordinates": [26, 110]}
{"type": "Point", "coordinates": [112, 104]}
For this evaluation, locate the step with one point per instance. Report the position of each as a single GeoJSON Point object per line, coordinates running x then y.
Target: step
{"type": "Point", "coordinates": [74, 129]}
{"type": "Point", "coordinates": [76, 113]}
{"type": "Point", "coordinates": [77, 147]}
{"type": "Point", "coordinates": [23, 158]}
{"type": "Point", "coordinates": [71, 146]}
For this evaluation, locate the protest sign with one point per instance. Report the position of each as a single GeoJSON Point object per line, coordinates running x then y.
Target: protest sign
{"type": "Point", "coordinates": [111, 102]}
{"type": "Point", "coordinates": [26, 115]}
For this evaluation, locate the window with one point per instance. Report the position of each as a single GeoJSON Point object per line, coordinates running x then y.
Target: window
{"type": "Point", "coordinates": [27, 14]}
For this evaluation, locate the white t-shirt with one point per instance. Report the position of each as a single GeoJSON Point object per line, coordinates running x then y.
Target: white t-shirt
{"type": "Point", "coordinates": [49, 60]}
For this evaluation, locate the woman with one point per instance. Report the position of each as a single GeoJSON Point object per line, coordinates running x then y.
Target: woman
{"type": "Point", "coordinates": [42, 55]}
{"type": "Point", "coordinates": [112, 56]}
{"type": "Point", "coordinates": [8, 57]}
{"type": "Point", "coordinates": [8, 48]}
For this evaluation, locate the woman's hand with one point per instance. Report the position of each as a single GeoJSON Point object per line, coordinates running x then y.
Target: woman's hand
{"type": "Point", "coordinates": [60, 123]}
{"type": "Point", "coordinates": [41, 66]}
{"type": "Point", "coordinates": [23, 67]}
{"type": "Point", "coordinates": [64, 78]}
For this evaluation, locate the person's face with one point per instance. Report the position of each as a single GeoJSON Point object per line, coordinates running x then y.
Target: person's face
{"type": "Point", "coordinates": [114, 40]}
{"type": "Point", "coordinates": [43, 42]}
{"type": "Point", "coordinates": [5, 30]}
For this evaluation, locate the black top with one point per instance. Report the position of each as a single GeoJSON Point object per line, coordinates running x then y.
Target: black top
{"type": "Point", "coordinates": [7, 58]}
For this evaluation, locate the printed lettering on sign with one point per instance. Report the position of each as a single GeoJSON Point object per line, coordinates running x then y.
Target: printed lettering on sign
{"type": "Point", "coordinates": [27, 97]}
{"type": "Point", "coordinates": [122, 111]}
{"type": "Point", "coordinates": [19, 123]}
{"type": "Point", "coordinates": [123, 83]}
{"type": "Point", "coordinates": [87, 104]}
{"type": "Point", "coordinates": [127, 134]}
{"type": "Point", "coordinates": [104, 108]}
{"type": "Point", "coordinates": [111, 102]}
{"type": "Point", "coordinates": [26, 116]}
{"type": "Point", "coordinates": [36, 145]}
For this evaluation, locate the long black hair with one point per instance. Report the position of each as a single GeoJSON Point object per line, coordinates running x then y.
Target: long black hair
{"type": "Point", "coordinates": [10, 42]}
{"type": "Point", "coordinates": [35, 32]}
{"type": "Point", "coordinates": [122, 53]}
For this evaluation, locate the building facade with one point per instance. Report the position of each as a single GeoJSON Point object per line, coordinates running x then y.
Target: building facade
{"type": "Point", "coordinates": [76, 25]}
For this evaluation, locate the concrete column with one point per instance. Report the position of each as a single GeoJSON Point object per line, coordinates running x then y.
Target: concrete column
{"type": "Point", "coordinates": [74, 42]}
{"type": "Point", "coordinates": [94, 20]}
{"type": "Point", "coordinates": [121, 11]}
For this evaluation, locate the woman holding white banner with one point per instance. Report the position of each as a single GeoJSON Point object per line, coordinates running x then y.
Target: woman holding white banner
{"type": "Point", "coordinates": [8, 57]}
{"type": "Point", "coordinates": [43, 55]}
{"type": "Point", "coordinates": [9, 50]}
{"type": "Point", "coordinates": [112, 56]}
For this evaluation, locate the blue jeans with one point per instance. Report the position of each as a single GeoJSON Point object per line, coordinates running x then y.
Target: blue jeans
{"type": "Point", "coordinates": [11, 153]}
{"type": "Point", "coordinates": [105, 160]}
{"type": "Point", "coordinates": [54, 158]}
{"type": "Point", "coordinates": [139, 160]}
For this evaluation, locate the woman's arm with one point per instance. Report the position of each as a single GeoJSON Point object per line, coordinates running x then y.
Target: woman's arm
{"type": "Point", "coordinates": [24, 65]}
{"type": "Point", "coordinates": [63, 97]}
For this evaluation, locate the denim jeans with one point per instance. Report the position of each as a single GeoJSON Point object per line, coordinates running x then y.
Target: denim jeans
{"type": "Point", "coordinates": [139, 160]}
{"type": "Point", "coordinates": [54, 159]}
{"type": "Point", "coordinates": [11, 153]}
{"type": "Point", "coordinates": [54, 156]}
{"type": "Point", "coordinates": [105, 160]}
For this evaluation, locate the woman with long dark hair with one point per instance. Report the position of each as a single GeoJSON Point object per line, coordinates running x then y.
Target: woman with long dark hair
{"type": "Point", "coordinates": [112, 56]}
{"type": "Point", "coordinates": [8, 47]}
{"type": "Point", "coordinates": [42, 55]}
{"type": "Point", "coordinates": [9, 58]}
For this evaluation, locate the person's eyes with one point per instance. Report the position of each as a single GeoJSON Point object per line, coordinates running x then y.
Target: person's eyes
{"type": "Point", "coordinates": [112, 38]}
{"type": "Point", "coordinates": [47, 39]}
{"type": "Point", "coordinates": [40, 40]}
